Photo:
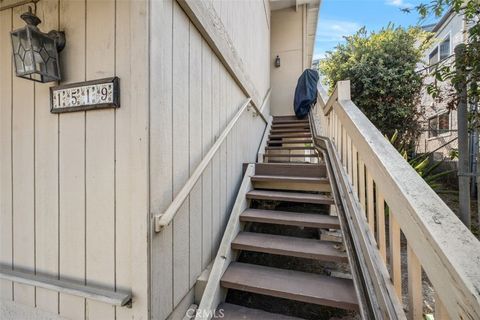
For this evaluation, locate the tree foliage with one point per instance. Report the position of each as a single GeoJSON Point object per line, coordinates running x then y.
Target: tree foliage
{"type": "Point", "coordinates": [384, 84]}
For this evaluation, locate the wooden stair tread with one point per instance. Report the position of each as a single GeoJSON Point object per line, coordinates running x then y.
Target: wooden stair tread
{"type": "Point", "coordinates": [289, 131]}
{"type": "Point", "coordinates": [290, 218]}
{"type": "Point", "coordinates": [290, 117]}
{"type": "Point", "coordinates": [290, 125]}
{"type": "Point", "coordinates": [290, 135]}
{"type": "Point", "coordinates": [290, 148]}
{"type": "Point", "coordinates": [289, 246]}
{"type": "Point", "coordinates": [236, 312]}
{"type": "Point", "coordinates": [286, 161]}
{"type": "Point", "coordinates": [289, 284]}
{"type": "Point", "coordinates": [289, 121]}
{"type": "Point", "coordinates": [307, 140]}
{"type": "Point", "coordinates": [275, 178]}
{"type": "Point", "coordinates": [290, 196]}
{"type": "Point", "coordinates": [291, 155]}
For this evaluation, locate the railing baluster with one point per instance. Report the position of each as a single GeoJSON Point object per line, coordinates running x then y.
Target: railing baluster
{"type": "Point", "coordinates": [335, 130]}
{"type": "Point", "coordinates": [381, 241]}
{"type": "Point", "coordinates": [339, 136]}
{"type": "Point", "coordinates": [395, 262]}
{"type": "Point", "coordinates": [331, 124]}
{"type": "Point", "coordinates": [355, 169]}
{"type": "Point", "coordinates": [370, 203]}
{"type": "Point", "coordinates": [344, 148]}
{"type": "Point", "coordinates": [349, 158]}
{"type": "Point", "coordinates": [415, 296]}
{"type": "Point", "coordinates": [361, 182]}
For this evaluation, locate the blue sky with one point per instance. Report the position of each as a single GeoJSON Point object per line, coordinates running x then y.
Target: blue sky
{"type": "Point", "coordinates": [340, 18]}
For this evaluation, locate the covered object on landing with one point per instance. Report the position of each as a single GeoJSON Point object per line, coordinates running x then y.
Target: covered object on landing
{"type": "Point", "coordinates": [305, 93]}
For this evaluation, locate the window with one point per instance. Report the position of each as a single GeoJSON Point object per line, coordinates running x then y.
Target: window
{"type": "Point", "coordinates": [445, 49]}
{"type": "Point", "coordinates": [433, 127]}
{"type": "Point", "coordinates": [444, 123]}
{"type": "Point", "coordinates": [432, 59]}
{"type": "Point", "coordinates": [438, 125]}
{"type": "Point", "coordinates": [440, 53]}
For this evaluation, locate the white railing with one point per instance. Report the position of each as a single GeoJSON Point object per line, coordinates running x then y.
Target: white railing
{"type": "Point", "coordinates": [164, 219]}
{"type": "Point", "coordinates": [394, 200]}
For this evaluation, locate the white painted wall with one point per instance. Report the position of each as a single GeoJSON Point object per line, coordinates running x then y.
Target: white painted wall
{"type": "Point", "coordinates": [286, 42]}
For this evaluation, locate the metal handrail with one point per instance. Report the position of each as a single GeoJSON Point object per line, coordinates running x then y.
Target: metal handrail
{"type": "Point", "coordinates": [111, 297]}
{"type": "Point", "coordinates": [372, 285]}
{"type": "Point", "coordinates": [164, 219]}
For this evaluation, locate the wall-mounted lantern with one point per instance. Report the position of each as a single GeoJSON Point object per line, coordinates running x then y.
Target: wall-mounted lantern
{"type": "Point", "coordinates": [35, 53]}
{"type": "Point", "coordinates": [277, 62]}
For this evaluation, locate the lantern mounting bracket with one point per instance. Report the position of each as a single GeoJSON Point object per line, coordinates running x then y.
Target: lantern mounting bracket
{"type": "Point", "coordinates": [59, 37]}
{"type": "Point", "coordinates": [9, 4]}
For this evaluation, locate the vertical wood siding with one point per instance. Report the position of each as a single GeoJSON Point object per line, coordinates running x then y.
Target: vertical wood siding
{"type": "Point", "coordinates": [192, 99]}
{"type": "Point", "coordinates": [74, 186]}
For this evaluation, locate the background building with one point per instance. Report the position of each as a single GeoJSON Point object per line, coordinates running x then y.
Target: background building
{"type": "Point", "coordinates": [439, 123]}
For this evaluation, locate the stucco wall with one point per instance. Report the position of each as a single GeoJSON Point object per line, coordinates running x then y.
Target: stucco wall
{"type": "Point", "coordinates": [286, 42]}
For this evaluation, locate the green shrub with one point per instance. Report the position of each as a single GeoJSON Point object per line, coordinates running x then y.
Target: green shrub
{"type": "Point", "coordinates": [381, 68]}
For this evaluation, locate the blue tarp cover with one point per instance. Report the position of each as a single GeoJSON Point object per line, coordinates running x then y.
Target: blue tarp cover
{"type": "Point", "coordinates": [305, 93]}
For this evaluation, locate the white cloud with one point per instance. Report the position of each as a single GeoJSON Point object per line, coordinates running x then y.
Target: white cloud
{"type": "Point", "coordinates": [329, 30]}
{"type": "Point", "coordinates": [319, 55]}
{"type": "Point", "coordinates": [399, 3]}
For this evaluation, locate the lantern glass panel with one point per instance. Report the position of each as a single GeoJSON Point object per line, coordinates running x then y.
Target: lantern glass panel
{"type": "Point", "coordinates": [35, 55]}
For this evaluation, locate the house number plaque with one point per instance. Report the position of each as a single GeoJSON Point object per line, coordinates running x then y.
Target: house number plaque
{"type": "Point", "coordinates": [96, 94]}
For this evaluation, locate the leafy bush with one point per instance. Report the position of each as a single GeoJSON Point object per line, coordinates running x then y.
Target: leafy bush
{"type": "Point", "coordinates": [384, 84]}
{"type": "Point", "coordinates": [422, 164]}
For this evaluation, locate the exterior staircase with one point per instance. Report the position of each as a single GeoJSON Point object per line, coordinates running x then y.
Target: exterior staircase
{"type": "Point", "coordinates": [288, 193]}
{"type": "Point", "coordinates": [289, 140]}
{"type": "Point", "coordinates": [331, 222]}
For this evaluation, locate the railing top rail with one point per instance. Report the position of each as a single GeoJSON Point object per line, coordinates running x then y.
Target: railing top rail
{"type": "Point", "coordinates": [447, 250]}
{"type": "Point", "coordinates": [163, 219]}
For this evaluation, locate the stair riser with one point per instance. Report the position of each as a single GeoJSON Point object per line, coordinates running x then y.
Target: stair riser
{"type": "Point", "coordinates": [295, 148]}
{"type": "Point", "coordinates": [282, 131]}
{"type": "Point", "coordinates": [288, 143]}
{"type": "Point", "coordinates": [294, 186]}
{"type": "Point", "coordinates": [273, 155]}
{"type": "Point", "coordinates": [290, 126]}
{"type": "Point", "coordinates": [289, 122]}
{"type": "Point", "coordinates": [292, 170]}
{"type": "Point", "coordinates": [290, 223]}
{"type": "Point", "coordinates": [290, 200]}
{"type": "Point", "coordinates": [273, 138]}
